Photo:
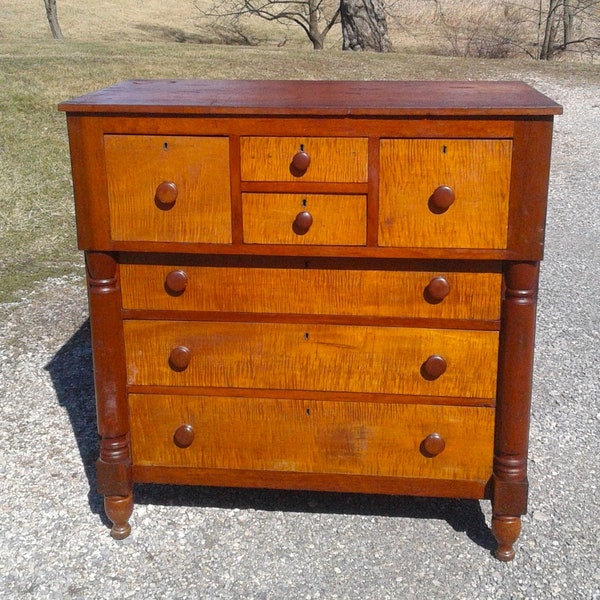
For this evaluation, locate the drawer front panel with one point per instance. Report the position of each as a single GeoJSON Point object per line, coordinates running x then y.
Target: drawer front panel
{"type": "Point", "coordinates": [277, 219]}
{"type": "Point", "coordinates": [473, 296]}
{"type": "Point", "coordinates": [310, 357]}
{"type": "Point", "coordinates": [332, 160]}
{"type": "Point", "coordinates": [413, 214]}
{"type": "Point", "coordinates": [173, 189]}
{"type": "Point", "coordinates": [312, 436]}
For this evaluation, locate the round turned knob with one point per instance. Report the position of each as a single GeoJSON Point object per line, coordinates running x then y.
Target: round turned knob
{"type": "Point", "coordinates": [184, 436]}
{"type": "Point", "coordinates": [300, 162]}
{"type": "Point", "coordinates": [441, 199]}
{"type": "Point", "coordinates": [180, 357]}
{"type": "Point", "coordinates": [302, 223]}
{"type": "Point", "coordinates": [176, 282]}
{"type": "Point", "coordinates": [437, 289]}
{"type": "Point", "coordinates": [433, 367]}
{"type": "Point", "coordinates": [433, 445]}
{"type": "Point", "coordinates": [166, 195]}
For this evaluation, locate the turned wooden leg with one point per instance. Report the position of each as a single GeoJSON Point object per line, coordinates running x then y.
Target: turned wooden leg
{"type": "Point", "coordinates": [506, 531]}
{"type": "Point", "coordinates": [118, 509]}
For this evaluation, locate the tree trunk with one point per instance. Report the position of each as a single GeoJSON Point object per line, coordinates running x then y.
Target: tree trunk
{"type": "Point", "coordinates": [547, 49]}
{"type": "Point", "coordinates": [568, 18]}
{"type": "Point", "coordinates": [53, 19]}
{"type": "Point", "coordinates": [364, 25]}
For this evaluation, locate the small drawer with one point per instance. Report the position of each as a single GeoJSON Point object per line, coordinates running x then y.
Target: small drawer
{"type": "Point", "coordinates": [331, 160]}
{"type": "Point", "coordinates": [444, 193]}
{"type": "Point", "coordinates": [168, 188]}
{"type": "Point", "coordinates": [267, 434]}
{"type": "Point", "coordinates": [305, 219]}
{"type": "Point", "coordinates": [332, 358]}
{"type": "Point", "coordinates": [301, 290]}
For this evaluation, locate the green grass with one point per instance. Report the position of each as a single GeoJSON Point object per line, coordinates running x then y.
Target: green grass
{"type": "Point", "coordinates": [37, 232]}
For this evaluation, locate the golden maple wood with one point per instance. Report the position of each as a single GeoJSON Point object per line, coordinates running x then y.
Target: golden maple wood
{"type": "Point", "coordinates": [338, 219]}
{"type": "Point", "coordinates": [312, 436]}
{"type": "Point", "coordinates": [338, 159]}
{"type": "Point", "coordinates": [477, 170]}
{"type": "Point", "coordinates": [198, 166]}
{"type": "Point", "coordinates": [352, 292]}
{"type": "Point", "coordinates": [312, 357]}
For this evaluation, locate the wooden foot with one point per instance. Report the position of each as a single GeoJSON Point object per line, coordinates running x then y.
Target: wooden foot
{"type": "Point", "coordinates": [506, 531]}
{"type": "Point", "coordinates": [118, 509]}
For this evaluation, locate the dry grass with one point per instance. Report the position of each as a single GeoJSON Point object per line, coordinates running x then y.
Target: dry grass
{"type": "Point", "coordinates": [110, 40]}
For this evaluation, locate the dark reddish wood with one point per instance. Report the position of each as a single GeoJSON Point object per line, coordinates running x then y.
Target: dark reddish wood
{"type": "Point", "coordinates": [184, 436]}
{"type": "Point", "coordinates": [119, 509]}
{"type": "Point", "coordinates": [433, 445]}
{"type": "Point", "coordinates": [373, 193]}
{"type": "Point", "coordinates": [437, 289]}
{"type": "Point", "coordinates": [179, 358]}
{"type": "Point", "coordinates": [515, 368]}
{"type": "Point", "coordinates": [237, 220]}
{"type": "Point", "coordinates": [346, 98]}
{"type": "Point", "coordinates": [302, 223]}
{"type": "Point", "coordinates": [435, 366]}
{"type": "Point", "coordinates": [166, 195]}
{"type": "Point", "coordinates": [441, 200]}
{"type": "Point", "coordinates": [529, 188]}
{"type": "Point", "coordinates": [176, 282]}
{"type": "Point", "coordinates": [506, 530]}
{"type": "Point", "coordinates": [300, 163]}
{"type": "Point", "coordinates": [329, 482]}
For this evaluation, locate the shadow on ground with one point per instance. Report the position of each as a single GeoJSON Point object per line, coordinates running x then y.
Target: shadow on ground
{"type": "Point", "coordinates": [71, 371]}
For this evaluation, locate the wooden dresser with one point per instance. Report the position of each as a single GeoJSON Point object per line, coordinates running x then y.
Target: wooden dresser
{"type": "Point", "coordinates": [313, 285]}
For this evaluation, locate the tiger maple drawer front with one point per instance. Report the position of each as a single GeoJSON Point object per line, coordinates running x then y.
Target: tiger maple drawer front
{"type": "Point", "coordinates": [304, 219]}
{"type": "Point", "coordinates": [168, 188]}
{"type": "Point", "coordinates": [445, 442]}
{"type": "Point", "coordinates": [331, 160]}
{"type": "Point", "coordinates": [370, 293]}
{"type": "Point", "coordinates": [390, 360]}
{"type": "Point", "coordinates": [444, 193]}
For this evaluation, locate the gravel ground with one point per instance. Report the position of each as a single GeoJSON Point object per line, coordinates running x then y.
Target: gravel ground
{"type": "Point", "coordinates": [253, 544]}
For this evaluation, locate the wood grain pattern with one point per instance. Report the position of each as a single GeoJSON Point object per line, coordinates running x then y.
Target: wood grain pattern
{"type": "Point", "coordinates": [312, 357]}
{"type": "Point", "coordinates": [331, 159]}
{"type": "Point", "coordinates": [199, 167]}
{"type": "Point", "coordinates": [477, 170]}
{"type": "Point", "coordinates": [376, 293]}
{"type": "Point", "coordinates": [308, 436]}
{"type": "Point", "coordinates": [337, 219]}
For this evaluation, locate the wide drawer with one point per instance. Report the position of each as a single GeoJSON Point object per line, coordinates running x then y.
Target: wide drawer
{"type": "Point", "coordinates": [168, 188]}
{"type": "Point", "coordinates": [305, 219]}
{"type": "Point", "coordinates": [331, 160]}
{"type": "Point", "coordinates": [388, 360]}
{"type": "Point", "coordinates": [444, 193]}
{"type": "Point", "coordinates": [395, 440]}
{"type": "Point", "coordinates": [279, 290]}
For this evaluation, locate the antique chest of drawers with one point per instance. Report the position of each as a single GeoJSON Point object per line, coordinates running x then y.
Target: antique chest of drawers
{"type": "Point", "coordinates": [313, 285]}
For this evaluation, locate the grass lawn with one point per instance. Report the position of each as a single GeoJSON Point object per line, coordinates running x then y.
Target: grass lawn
{"type": "Point", "coordinates": [37, 234]}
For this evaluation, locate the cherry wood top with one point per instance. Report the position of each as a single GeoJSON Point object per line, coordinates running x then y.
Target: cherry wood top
{"type": "Point", "coordinates": [331, 98]}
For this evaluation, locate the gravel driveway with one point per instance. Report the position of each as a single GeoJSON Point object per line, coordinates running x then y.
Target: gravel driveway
{"type": "Point", "coordinates": [252, 544]}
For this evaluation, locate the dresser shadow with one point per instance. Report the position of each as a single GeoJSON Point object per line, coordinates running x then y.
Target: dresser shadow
{"type": "Point", "coordinates": [71, 370]}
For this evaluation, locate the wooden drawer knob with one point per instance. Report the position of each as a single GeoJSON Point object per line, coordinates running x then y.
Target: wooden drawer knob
{"type": "Point", "coordinates": [302, 223]}
{"type": "Point", "coordinates": [184, 436]}
{"type": "Point", "coordinates": [180, 358]}
{"type": "Point", "coordinates": [166, 195]}
{"type": "Point", "coordinates": [441, 199]}
{"type": "Point", "coordinates": [300, 162]}
{"type": "Point", "coordinates": [176, 282]}
{"type": "Point", "coordinates": [432, 445]}
{"type": "Point", "coordinates": [433, 367]}
{"type": "Point", "coordinates": [437, 289]}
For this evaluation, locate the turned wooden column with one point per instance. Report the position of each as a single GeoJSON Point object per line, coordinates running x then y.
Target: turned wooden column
{"type": "Point", "coordinates": [114, 464]}
{"type": "Point", "coordinates": [509, 500]}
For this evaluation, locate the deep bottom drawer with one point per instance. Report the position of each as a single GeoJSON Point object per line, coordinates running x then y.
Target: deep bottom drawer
{"type": "Point", "coordinates": [265, 434]}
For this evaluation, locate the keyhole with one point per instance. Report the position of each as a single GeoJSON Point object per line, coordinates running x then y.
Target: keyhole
{"type": "Point", "coordinates": [301, 147]}
{"type": "Point", "coordinates": [304, 202]}
{"type": "Point", "coordinates": [306, 336]}
{"type": "Point", "coordinates": [444, 149]}
{"type": "Point", "coordinates": [166, 146]}
{"type": "Point", "coordinates": [308, 411]}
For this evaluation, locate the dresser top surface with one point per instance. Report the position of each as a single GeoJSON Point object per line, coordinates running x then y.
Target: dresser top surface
{"type": "Point", "coordinates": [306, 98]}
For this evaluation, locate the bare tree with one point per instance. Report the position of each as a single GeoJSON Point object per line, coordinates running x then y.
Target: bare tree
{"type": "Point", "coordinates": [364, 25]}
{"type": "Point", "coordinates": [310, 15]}
{"type": "Point", "coordinates": [53, 19]}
